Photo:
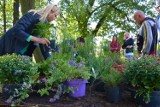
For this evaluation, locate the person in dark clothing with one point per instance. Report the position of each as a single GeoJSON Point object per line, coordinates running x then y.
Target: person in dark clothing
{"type": "Point", "coordinates": [128, 45]}
{"type": "Point", "coordinates": [20, 39]}
{"type": "Point", "coordinates": [79, 43]}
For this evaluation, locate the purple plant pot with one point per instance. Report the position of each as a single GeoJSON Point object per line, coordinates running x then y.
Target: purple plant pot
{"type": "Point", "coordinates": [78, 86]}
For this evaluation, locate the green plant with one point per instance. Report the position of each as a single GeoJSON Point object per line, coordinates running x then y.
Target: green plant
{"type": "Point", "coordinates": [112, 78]}
{"type": "Point", "coordinates": [17, 69]}
{"type": "Point", "coordinates": [44, 30]}
{"type": "Point", "coordinates": [144, 75]}
{"type": "Point", "coordinates": [66, 67]}
{"type": "Point", "coordinates": [61, 68]}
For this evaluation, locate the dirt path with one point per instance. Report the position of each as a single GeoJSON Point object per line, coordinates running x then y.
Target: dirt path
{"type": "Point", "coordinates": [94, 99]}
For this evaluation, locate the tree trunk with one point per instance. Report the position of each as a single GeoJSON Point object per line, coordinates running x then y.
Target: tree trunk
{"type": "Point", "coordinates": [27, 5]}
{"type": "Point", "coordinates": [4, 15]}
{"type": "Point", "coordinates": [16, 11]}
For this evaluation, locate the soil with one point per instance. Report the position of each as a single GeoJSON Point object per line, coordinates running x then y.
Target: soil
{"type": "Point", "coordinates": [92, 99]}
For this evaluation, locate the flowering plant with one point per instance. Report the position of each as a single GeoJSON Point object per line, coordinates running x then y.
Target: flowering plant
{"type": "Point", "coordinates": [61, 68]}
{"type": "Point", "coordinates": [144, 75]}
{"type": "Point", "coordinates": [17, 69]}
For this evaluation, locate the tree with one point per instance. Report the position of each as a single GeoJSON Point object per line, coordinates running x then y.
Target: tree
{"type": "Point", "coordinates": [109, 16]}
{"type": "Point", "coordinates": [15, 11]}
{"type": "Point", "coordinates": [27, 5]}
{"type": "Point", "coordinates": [4, 16]}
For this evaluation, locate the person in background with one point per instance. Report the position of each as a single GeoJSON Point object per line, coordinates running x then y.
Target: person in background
{"type": "Point", "coordinates": [147, 33]}
{"type": "Point", "coordinates": [128, 45]}
{"type": "Point", "coordinates": [115, 45]}
{"type": "Point", "coordinates": [79, 43]}
{"type": "Point", "coordinates": [158, 24]}
{"type": "Point", "coordinates": [20, 38]}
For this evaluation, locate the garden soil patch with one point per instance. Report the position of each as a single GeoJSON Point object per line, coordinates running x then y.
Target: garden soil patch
{"type": "Point", "coordinates": [92, 99]}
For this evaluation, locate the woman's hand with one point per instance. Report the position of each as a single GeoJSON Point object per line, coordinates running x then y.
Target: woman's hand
{"type": "Point", "coordinates": [43, 41]}
{"type": "Point", "coordinates": [129, 46]}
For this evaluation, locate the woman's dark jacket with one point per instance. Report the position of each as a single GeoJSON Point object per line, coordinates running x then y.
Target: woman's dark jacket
{"type": "Point", "coordinates": [14, 40]}
{"type": "Point", "coordinates": [128, 42]}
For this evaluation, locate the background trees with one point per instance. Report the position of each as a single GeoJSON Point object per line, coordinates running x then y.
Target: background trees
{"type": "Point", "coordinates": [82, 17]}
{"type": "Point", "coordinates": [107, 16]}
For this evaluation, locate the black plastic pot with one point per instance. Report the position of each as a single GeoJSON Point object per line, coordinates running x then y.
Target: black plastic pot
{"type": "Point", "coordinates": [99, 85]}
{"type": "Point", "coordinates": [9, 89]}
{"type": "Point", "coordinates": [113, 94]}
{"type": "Point", "coordinates": [154, 100]}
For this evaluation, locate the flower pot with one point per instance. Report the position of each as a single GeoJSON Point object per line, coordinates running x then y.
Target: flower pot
{"type": "Point", "coordinates": [99, 85]}
{"type": "Point", "coordinates": [9, 89]}
{"type": "Point", "coordinates": [78, 86]}
{"type": "Point", "coordinates": [113, 94]}
{"type": "Point", "coordinates": [154, 99]}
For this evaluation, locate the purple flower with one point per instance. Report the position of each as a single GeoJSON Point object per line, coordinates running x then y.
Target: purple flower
{"type": "Point", "coordinates": [57, 96]}
{"type": "Point", "coordinates": [8, 101]}
{"type": "Point", "coordinates": [78, 65]}
{"type": "Point", "coordinates": [53, 89]}
{"type": "Point", "coordinates": [73, 63]}
{"type": "Point", "coordinates": [44, 80]}
{"type": "Point", "coordinates": [51, 100]}
{"type": "Point", "coordinates": [5, 89]}
{"type": "Point", "coordinates": [82, 63]}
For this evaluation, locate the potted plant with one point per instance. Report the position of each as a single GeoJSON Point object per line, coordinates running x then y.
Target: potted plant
{"type": "Point", "coordinates": [107, 63]}
{"type": "Point", "coordinates": [78, 76]}
{"type": "Point", "coordinates": [112, 80]}
{"type": "Point", "coordinates": [17, 74]}
{"type": "Point", "coordinates": [143, 75]}
{"type": "Point", "coordinates": [61, 70]}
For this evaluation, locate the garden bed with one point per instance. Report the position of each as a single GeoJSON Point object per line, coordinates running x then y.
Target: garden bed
{"type": "Point", "coordinates": [92, 99]}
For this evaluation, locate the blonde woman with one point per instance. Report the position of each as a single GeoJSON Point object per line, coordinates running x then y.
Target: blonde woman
{"type": "Point", "coordinates": [20, 38]}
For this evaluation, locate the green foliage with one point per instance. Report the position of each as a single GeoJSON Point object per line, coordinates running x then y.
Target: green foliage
{"type": "Point", "coordinates": [62, 67]}
{"type": "Point", "coordinates": [9, 18]}
{"type": "Point", "coordinates": [66, 67]}
{"type": "Point", "coordinates": [44, 30]}
{"type": "Point", "coordinates": [16, 69]}
{"type": "Point", "coordinates": [87, 49]}
{"type": "Point", "coordinates": [103, 14]}
{"type": "Point", "coordinates": [112, 78]}
{"type": "Point", "coordinates": [66, 46]}
{"type": "Point", "coordinates": [105, 45]}
{"type": "Point", "coordinates": [143, 74]}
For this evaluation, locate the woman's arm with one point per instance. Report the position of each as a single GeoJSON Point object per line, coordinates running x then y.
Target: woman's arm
{"type": "Point", "coordinates": [27, 22]}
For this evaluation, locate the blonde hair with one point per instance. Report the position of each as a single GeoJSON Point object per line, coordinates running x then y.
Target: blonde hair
{"type": "Point", "coordinates": [45, 11]}
{"type": "Point", "coordinates": [127, 34]}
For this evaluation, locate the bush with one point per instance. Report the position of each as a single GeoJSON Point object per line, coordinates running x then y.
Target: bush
{"type": "Point", "coordinates": [144, 75]}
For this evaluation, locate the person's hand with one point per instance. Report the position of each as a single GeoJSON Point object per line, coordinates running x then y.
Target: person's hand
{"type": "Point", "coordinates": [44, 41]}
{"type": "Point", "coordinates": [129, 46]}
